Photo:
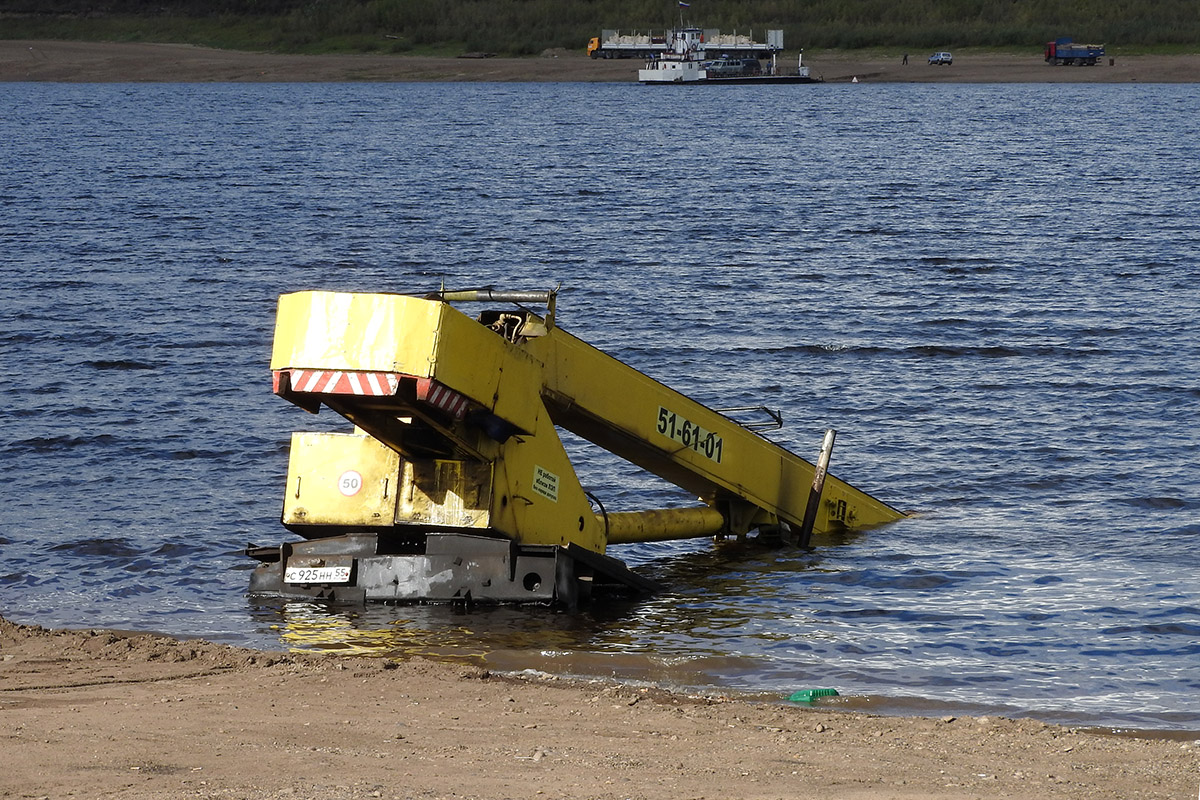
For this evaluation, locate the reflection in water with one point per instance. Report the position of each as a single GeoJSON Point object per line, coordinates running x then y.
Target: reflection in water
{"type": "Point", "coordinates": [351, 631]}
{"type": "Point", "coordinates": [679, 638]}
{"type": "Point", "coordinates": [628, 642]}
{"type": "Point", "coordinates": [438, 631]}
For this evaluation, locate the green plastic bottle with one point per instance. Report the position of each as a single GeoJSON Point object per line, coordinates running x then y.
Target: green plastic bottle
{"type": "Point", "coordinates": [808, 695]}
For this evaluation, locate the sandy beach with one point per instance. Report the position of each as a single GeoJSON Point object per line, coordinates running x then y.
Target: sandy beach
{"type": "Point", "coordinates": [142, 62]}
{"type": "Point", "coordinates": [96, 714]}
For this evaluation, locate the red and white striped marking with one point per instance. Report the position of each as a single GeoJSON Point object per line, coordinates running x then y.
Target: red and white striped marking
{"type": "Point", "coordinates": [439, 396]}
{"type": "Point", "coordinates": [326, 381]}
{"type": "Point", "coordinates": [370, 384]}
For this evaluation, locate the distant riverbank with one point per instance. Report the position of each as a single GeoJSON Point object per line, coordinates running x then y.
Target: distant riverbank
{"type": "Point", "coordinates": [106, 62]}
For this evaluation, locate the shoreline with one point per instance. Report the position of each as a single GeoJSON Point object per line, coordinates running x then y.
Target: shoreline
{"type": "Point", "coordinates": [102, 713]}
{"type": "Point", "coordinates": [139, 62]}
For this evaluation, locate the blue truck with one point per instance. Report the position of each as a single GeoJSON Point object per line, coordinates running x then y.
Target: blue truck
{"type": "Point", "coordinates": [1064, 52]}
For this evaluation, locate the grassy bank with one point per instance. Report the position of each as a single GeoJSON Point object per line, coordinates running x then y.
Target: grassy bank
{"type": "Point", "coordinates": [525, 27]}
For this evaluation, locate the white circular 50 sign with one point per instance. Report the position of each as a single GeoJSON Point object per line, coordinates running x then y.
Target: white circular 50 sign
{"type": "Point", "coordinates": [349, 483]}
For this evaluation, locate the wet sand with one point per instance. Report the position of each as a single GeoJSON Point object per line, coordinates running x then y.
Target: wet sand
{"type": "Point", "coordinates": [141, 62]}
{"type": "Point", "coordinates": [106, 714]}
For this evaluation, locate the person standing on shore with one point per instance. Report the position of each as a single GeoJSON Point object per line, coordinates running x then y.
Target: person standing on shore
{"type": "Point", "coordinates": [905, 62]}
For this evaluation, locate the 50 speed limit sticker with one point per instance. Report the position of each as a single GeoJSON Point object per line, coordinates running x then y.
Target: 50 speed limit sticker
{"type": "Point", "coordinates": [689, 434]}
{"type": "Point", "coordinates": [349, 483]}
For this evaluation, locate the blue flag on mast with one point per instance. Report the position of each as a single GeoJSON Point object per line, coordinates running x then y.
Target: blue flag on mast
{"type": "Point", "coordinates": [684, 5]}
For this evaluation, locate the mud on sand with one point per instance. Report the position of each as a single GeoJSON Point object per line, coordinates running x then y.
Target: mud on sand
{"type": "Point", "coordinates": [146, 62]}
{"type": "Point", "coordinates": [97, 713]}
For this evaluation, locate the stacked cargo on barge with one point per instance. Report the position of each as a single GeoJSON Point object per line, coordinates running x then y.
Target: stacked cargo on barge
{"type": "Point", "coordinates": [712, 43]}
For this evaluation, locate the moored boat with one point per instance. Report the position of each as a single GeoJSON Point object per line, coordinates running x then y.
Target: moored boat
{"type": "Point", "coordinates": [682, 63]}
{"type": "Point", "coordinates": [685, 63]}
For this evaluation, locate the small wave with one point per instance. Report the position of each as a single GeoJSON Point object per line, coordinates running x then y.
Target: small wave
{"type": "Point", "coordinates": [1156, 629]}
{"type": "Point", "coordinates": [55, 444]}
{"type": "Point", "coordinates": [946, 321]}
{"type": "Point", "coordinates": [999, 651]}
{"type": "Point", "coordinates": [874, 231]}
{"type": "Point", "coordinates": [66, 283]}
{"type": "Point", "coordinates": [97, 547]}
{"type": "Point", "coordinates": [78, 411]}
{"type": "Point", "coordinates": [957, 261]}
{"type": "Point", "coordinates": [1190, 611]}
{"type": "Point", "coordinates": [176, 550]}
{"type": "Point", "coordinates": [119, 365]}
{"type": "Point", "coordinates": [803, 349]}
{"type": "Point", "coordinates": [201, 344]}
{"type": "Point", "coordinates": [189, 455]}
{"type": "Point", "coordinates": [1159, 503]}
{"type": "Point", "coordinates": [910, 581]}
{"type": "Point", "coordinates": [145, 565]}
{"type": "Point", "coordinates": [133, 591]}
{"type": "Point", "coordinates": [933, 351]}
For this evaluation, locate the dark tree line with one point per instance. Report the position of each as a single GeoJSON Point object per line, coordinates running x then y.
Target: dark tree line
{"type": "Point", "coordinates": [530, 26]}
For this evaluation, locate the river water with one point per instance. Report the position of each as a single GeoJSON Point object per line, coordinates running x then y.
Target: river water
{"type": "Point", "coordinates": [991, 292]}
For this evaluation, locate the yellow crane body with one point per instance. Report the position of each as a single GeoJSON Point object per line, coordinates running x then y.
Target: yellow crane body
{"type": "Point", "coordinates": [454, 484]}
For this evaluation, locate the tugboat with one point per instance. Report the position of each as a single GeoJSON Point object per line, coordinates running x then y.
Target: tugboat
{"type": "Point", "coordinates": [682, 63]}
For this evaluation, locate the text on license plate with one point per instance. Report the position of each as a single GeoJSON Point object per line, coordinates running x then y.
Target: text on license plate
{"type": "Point", "coordinates": [340, 574]}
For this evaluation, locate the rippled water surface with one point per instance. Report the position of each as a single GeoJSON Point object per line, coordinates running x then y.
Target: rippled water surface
{"type": "Point", "coordinates": [991, 292]}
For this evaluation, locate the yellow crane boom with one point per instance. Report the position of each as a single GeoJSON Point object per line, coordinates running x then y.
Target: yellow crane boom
{"type": "Point", "coordinates": [455, 485]}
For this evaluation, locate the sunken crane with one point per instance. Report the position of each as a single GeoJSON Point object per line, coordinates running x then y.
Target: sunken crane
{"type": "Point", "coordinates": [454, 485]}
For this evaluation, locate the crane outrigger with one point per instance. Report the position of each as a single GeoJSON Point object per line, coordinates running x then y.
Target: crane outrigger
{"type": "Point", "coordinates": [454, 485]}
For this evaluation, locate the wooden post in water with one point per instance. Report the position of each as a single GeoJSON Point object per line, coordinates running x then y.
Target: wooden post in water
{"type": "Point", "coordinates": [818, 484]}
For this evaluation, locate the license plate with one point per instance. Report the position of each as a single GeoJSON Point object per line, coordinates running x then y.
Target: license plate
{"type": "Point", "coordinates": [339, 574]}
